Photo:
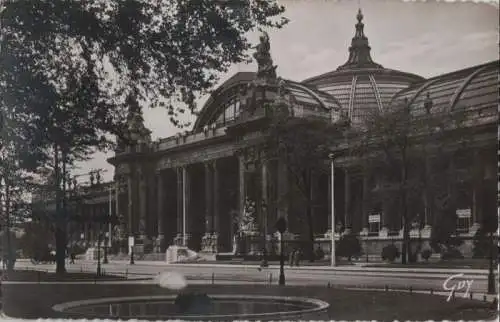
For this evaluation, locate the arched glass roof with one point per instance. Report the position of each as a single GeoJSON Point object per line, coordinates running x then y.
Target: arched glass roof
{"type": "Point", "coordinates": [472, 88]}
{"type": "Point", "coordinates": [225, 104]}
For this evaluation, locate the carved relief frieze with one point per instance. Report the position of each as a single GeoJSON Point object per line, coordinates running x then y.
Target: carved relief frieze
{"type": "Point", "coordinates": [122, 168]}
{"type": "Point", "coordinates": [196, 156]}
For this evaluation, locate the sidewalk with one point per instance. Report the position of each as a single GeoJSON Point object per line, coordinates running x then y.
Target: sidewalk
{"type": "Point", "coordinates": [358, 267]}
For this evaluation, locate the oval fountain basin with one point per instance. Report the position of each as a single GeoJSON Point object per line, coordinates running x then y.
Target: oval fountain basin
{"type": "Point", "coordinates": [225, 307]}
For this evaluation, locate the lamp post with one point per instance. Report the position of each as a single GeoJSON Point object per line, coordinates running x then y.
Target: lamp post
{"type": "Point", "coordinates": [281, 227]}
{"type": "Point", "coordinates": [491, 275]}
{"type": "Point", "coordinates": [99, 251]}
{"type": "Point", "coordinates": [264, 262]}
{"type": "Point", "coordinates": [106, 238]}
{"type": "Point", "coordinates": [331, 156]}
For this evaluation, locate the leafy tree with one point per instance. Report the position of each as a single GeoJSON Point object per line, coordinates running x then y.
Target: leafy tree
{"type": "Point", "coordinates": [348, 246]}
{"type": "Point", "coordinates": [61, 59]}
{"type": "Point", "coordinates": [411, 152]}
{"type": "Point", "coordinates": [303, 145]}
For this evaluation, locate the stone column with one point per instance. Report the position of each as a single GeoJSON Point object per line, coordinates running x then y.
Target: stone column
{"type": "Point", "coordinates": [161, 210]}
{"type": "Point", "coordinates": [365, 205]}
{"type": "Point", "coordinates": [264, 203]}
{"type": "Point", "coordinates": [328, 229]}
{"type": "Point", "coordinates": [216, 210]}
{"type": "Point", "coordinates": [283, 187]}
{"type": "Point", "coordinates": [477, 185]}
{"type": "Point", "coordinates": [347, 202]}
{"type": "Point", "coordinates": [180, 206]}
{"type": "Point", "coordinates": [208, 199]}
{"type": "Point", "coordinates": [185, 205]}
{"type": "Point", "coordinates": [130, 211]}
{"type": "Point", "coordinates": [384, 231]}
{"type": "Point", "coordinates": [209, 217]}
{"type": "Point", "coordinates": [143, 206]}
{"type": "Point", "coordinates": [241, 182]}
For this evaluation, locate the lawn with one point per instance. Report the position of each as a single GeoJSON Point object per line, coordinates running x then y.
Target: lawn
{"type": "Point", "coordinates": [29, 301]}
{"type": "Point", "coordinates": [41, 276]}
{"type": "Point", "coordinates": [456, 263]}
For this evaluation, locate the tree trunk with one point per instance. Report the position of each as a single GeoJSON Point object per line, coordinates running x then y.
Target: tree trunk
{"type": "Point", "coordinates": [310, 221]}
{"type": "Point", "coordinates": [59, 231]}
{"type": "Point", "coordinates": [406, 235]}
{"type": "Point", "coordinates": [10, 253]}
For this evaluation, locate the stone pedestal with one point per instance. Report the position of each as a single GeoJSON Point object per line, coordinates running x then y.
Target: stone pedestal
{"type": "Point", "coordinates": [176, 254]}
{"type": "Point", "coordinates": [347, 231]}
{"type": "Point", "coordinates": [364, 232]}
{"type": "Point", "coordinates": [414, 233]}
{"type": "Point", "coordinates": [474, 228]}
{"type": "Point", "coordinates": [209, 243]}
{"type": "Point", "coordinates": [384, 232]}
{"type": "Point", "coordinates": [426, 231]}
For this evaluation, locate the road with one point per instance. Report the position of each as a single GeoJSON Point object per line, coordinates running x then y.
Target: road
{"type": "Point", "coordinates": [360, 277]}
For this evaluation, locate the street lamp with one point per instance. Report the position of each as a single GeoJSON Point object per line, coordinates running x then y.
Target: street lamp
{"type": "Point", "coordinates": [491, 275]}
{"type": "Point", "coordinates": [281, 227]}
{"type": "Point", "coordinates": [331, 156]}
{"type": "Point", "coordinates": [106, 238]}
{"type": "Point", "coordinates": [264, 262]}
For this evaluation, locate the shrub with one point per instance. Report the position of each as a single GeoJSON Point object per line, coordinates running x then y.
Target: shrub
{"type": "Point", "coordinates": [319, 253]}
{"type": "Point", "coordinates": [390, 253]}
{"type": "Point", "coordinates": [452, 253]}
{"type": "Point", "coordinates": [482, 244]}
{"type": "Point", "coordinates": [348, 246]}
{"type": "Point", "coordinates": [426, 254]}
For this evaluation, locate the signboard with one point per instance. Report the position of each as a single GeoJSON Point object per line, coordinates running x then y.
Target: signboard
{"type": "Point", "coordinates": [131, 241]}
{"type": "Point", "coordinates": [374, 218]}
{"type": "Point", "coordinates": [463, 213]}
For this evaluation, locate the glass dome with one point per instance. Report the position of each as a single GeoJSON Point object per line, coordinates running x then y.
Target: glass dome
{"type": "Point", "coordinates": [361, 85]}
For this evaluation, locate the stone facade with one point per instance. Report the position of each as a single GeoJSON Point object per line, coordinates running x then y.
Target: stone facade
{"type": "Point", "coordinates": [189, 188]}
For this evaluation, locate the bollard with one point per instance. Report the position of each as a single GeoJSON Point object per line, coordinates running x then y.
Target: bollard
{"type": "Point", "coordinates": [484, 298]}
{"type": "Point", "coordinates": [126, 273]}
{"type": "Point", "coordinates": [411, 290]}
{"type": "Point", "coordinates": [470, 295]}
{"type": "Point", "coordinates": [81, 269]}
{"type": "Point", "coordinates": [432, 291]}
{"type": "Point", "coordinates": [386, 288]}
{"type": "Point", "coordinates": [328, 285]}
{"type": "Point", "coordinates": [38, 276]}
{"type": "Point", "coordinates": [453, 294]}
{"type": "Point", "coordinates": [270, 278]}
{"type": "Point", "coordinates": [213, 278]}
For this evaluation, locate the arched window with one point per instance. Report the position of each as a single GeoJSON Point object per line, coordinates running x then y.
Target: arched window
{"type": "Point", "coordinates": [229, 112]}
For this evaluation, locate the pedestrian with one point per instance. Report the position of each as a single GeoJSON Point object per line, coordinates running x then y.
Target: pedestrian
{"type": "Point", "coordinates": [291, 258]}
{"type": "Point", "coordinates": [297, 257]}
{"type": "Point", "coordinates": [72, 256]}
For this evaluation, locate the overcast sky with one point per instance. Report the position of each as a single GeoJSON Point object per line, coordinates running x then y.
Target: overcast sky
{"type": "Point", "coordinates": [426, 38]}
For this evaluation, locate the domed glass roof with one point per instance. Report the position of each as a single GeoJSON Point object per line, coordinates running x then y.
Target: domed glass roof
{"type": "Point", "coordinates": [475, 87]}
{"type": "Point", "coordinates": [361, 85]}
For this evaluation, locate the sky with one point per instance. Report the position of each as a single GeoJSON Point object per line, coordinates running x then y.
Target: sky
{"type": "Point", "coordinates": [426, 38]}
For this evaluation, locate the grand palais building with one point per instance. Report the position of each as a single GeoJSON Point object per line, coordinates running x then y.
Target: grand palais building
{"type": "Point", "coordinates": [193, 188]}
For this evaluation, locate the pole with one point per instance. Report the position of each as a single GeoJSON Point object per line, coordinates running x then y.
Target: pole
{"type": "Point", "coordinates": [491, 275]}
{"type": "Point", "coordinates": [282, 260]}
{"type": "Point", "coordinates": [99, 251]}
{"type": "Point", "coordinates": [184, 243]}
{"type": "Point", "coordinates": [332, 197]}
{"type": "Point", "coordinates": [107, 241]}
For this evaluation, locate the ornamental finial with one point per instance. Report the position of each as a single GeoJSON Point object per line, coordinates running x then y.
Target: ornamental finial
{"type": "Point", "coordinates": [360, 15]}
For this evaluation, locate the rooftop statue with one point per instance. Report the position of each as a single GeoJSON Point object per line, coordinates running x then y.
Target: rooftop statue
{"type": "Point", "coordinates": [138, 132]}
{"type": "Point", "coordinates": [266, 69]}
